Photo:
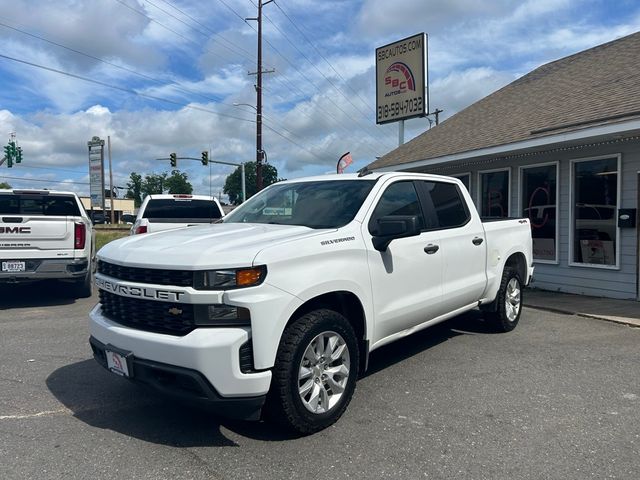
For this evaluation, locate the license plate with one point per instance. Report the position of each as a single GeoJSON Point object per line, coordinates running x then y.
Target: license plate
{"type": "Point", "coordinates": [117, 363]}
{"type": "Point", "coordinates": [13, 266]}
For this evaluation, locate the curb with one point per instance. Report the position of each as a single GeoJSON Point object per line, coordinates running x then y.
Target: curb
{"type": "Point", "coordinates": [619, 320]}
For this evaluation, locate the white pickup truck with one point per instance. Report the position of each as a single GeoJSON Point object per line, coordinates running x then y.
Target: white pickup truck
{"type": "Point", "coordinates": [284, 301]}
{"type": "Point", "coordinates": [169, 211]}
{"type": "Point", "coordinates": [45, 234]}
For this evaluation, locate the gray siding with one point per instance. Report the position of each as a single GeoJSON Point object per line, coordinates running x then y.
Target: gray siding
{"type": "Point", "coordinates": [618, 283]}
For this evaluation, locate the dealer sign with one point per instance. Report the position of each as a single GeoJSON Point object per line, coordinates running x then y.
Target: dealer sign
{"type": "Point", "coordinates": [401, 79]}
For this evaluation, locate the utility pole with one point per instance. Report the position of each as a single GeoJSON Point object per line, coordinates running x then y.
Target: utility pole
{"type": "Point", "coordinates": [110, 180]}
{"type": "Point", "coordinates": [258, 73]}
{"type": "Point", "coordinates": [437, 113]}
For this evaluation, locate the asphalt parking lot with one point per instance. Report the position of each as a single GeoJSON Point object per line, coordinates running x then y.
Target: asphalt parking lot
{"type": "Point", "coordinates": [558, 398]}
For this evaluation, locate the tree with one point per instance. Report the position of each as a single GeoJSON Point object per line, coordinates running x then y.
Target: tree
{"type": "Point", "coordinates": [5, 185]}
{"type": "Point", "coordinates": [134, 189]}
{"type": "Point", "coordinates": [178, 182]}
{"type": "Point", "coordinates": [153, 183]}
{"type": "Point", "coordinates": [233, 184]}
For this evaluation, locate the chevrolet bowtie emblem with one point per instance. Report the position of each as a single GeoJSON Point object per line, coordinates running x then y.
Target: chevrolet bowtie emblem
{"type": "Point", "coordinates": [175, 311]}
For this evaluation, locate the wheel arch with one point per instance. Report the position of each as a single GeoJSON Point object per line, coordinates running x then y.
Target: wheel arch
{"type": "Point", "coordinates": [347, 304]}
{"type": "Point", "coordinates": [518, 262]}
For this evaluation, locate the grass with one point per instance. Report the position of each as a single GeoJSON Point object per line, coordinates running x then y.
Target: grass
{"type": "Point", "coordinates": [102, 238]}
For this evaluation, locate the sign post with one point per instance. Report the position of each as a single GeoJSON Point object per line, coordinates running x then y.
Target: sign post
{"type": "Point", "coordinates": [401, 81]}
{"type": "Point", "coordinates": [96, 172]}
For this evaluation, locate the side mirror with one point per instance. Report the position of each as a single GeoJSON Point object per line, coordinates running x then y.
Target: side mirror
{"type": "Point", "coordinates": [393, 227]}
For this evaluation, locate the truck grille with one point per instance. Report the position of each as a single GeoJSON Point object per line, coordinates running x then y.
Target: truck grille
{"type": "Point", "coordinates": [148, 315]}
{"type": "Point", "coordinates": [178, 278]}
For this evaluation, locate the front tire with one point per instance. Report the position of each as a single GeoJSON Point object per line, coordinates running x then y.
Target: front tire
{"type": "Point", "coordinates": [508, 303]}
{"type": "Point", "coordinates": [315, 372]}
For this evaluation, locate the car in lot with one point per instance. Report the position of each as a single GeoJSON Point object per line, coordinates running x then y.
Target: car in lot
{"type": "Point", "coordinates": [46, 234]}
{"type": "Point", "coordinates": [99, 218]}
{"type": "Point", "coordinates": [170, 211]}
{"type": "Point", "coordinates": [128, 218]}
{"type": "Point", "coordinates": [281, 303]}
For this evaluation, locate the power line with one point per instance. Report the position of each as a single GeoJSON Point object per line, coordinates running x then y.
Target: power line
{"type": "Point", "coordinates": [322, 56]}
{"type": "Point", "coordinates": [364, 129]}
{"type": "Point", "coordinates": [244, 53]}
{"type": "Point", "coordinates": [315, 66]}
{"type": "Point", "coordinates": [292, 86]}
{"type": "Point", "coordinates": [122, 89]}
{"type": "Point", "coordinates": [234, 12]}
{"type": "Point", "coordinates": [146, 96]}
{"type": "Point", "coordinates": [184, 37]}
{"type": "Point", "coordinates": [120, 67]}
{"type": "Point", "coordinates": [22, 165]}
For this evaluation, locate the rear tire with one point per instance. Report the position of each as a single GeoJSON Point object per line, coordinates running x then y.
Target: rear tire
{"type": "Point", "coordinates": [83, 288]}
{"type": "Point", "coordinates": [315, 372]}
{"type": "Point", "coordinates": [507, 307]}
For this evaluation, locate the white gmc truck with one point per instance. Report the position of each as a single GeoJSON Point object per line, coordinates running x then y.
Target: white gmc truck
{"type": "Point", "coordinates": [281, 304]}
{"type": "Point", "coordinates": [45, 234]}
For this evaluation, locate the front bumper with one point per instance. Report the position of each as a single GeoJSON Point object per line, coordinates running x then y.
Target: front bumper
{"type": "Point", "coordinates": [213, 353]}
{"type": "Point", "coordinates": [186, 384]}
{"type": "Point", "coordinates": [47, 268]}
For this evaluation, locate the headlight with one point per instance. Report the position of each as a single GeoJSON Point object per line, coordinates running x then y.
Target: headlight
{"type": "Point", "coordinates": [230, 278]}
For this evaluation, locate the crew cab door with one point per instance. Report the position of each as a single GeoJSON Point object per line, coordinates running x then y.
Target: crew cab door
{"type": "Point", "coordinates": [406, 278]}
{"type": "Point", "coordinates": [462, 242]}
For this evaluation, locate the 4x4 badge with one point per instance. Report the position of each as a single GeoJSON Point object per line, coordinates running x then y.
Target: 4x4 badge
{"type": "Point", "coordinates": [175, 311]}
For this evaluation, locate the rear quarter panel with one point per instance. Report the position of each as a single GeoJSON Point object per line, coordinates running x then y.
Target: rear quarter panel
{"type": "Point", "coordinates": [504, 239]}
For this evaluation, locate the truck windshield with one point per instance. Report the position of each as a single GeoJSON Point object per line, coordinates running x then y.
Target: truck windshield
{"type": "Point", "coordinates": [321, 204]}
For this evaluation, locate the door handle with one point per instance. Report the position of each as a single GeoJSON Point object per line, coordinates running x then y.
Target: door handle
{"type": "Point", "coordinates": [477, 241]}
{"type": "Point", "coordinates": [431, 249]}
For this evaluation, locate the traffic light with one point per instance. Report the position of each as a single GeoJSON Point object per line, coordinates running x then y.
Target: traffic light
{"type": "Point", "coordinates": [19, 155]}
{"type": "Point", "coordinates": [173, 159]}
{"type": "Point", "coordinates": [8, 153]}
{"type": "Point", "coordinates": [205, 158]}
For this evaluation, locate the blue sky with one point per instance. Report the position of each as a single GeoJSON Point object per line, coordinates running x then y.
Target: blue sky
{"type": "Point", "coordinates": [195, 56]}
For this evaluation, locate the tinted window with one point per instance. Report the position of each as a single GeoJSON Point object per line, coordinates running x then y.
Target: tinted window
{"type": "Point", "coordinates": [539, 206]}
{"type": "Point", "coordinates": [53, 205]}
{"type": "Point", "coordinates": [448, 204]}
{"type": "Point", "coordinates": [174, 209]}
{"type": "Point", "coordinates": [494, 201]}
{"type": "Point", "coordinates": [595, 198]}
{"type": "Point", "coordinates": [399, 198]}
{"type": "Point", "coordinates": [323, 204]}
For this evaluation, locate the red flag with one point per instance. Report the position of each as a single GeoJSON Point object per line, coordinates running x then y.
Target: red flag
{"type": "Point", "coordinates": [344, 162]}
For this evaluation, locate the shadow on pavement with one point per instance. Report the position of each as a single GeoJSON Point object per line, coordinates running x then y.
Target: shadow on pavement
{"type": "Point", "coordinates": [103, 400]}
{"type": "Point", "coordinates": [37, 294]}
{"type": "Point", "coordinates": [469, 323]}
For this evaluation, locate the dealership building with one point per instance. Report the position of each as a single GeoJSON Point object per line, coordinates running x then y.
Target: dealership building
{"type": "Point", "coordinates": [560, 145]}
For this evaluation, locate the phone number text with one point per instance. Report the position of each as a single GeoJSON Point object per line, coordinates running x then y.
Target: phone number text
{"type": "Point", "coordinates": [396, 109]}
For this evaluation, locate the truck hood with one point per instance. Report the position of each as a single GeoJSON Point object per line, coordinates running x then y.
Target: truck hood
{"type": "Point", "coordinates": [223, 245]}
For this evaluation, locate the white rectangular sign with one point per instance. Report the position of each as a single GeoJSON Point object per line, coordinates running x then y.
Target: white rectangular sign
{"type": "Point", "coordinates": [96, 174]}
{"type": "Point", "coordinates": [401, 80]}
